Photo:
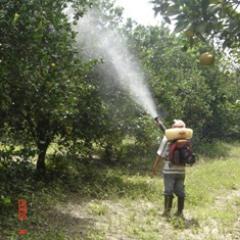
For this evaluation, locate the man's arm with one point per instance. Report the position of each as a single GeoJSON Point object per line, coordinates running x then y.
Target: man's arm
{"type": "Point", "coordinates": [160, 153]}
{"type": "Point", "coordinates": [156, 164]}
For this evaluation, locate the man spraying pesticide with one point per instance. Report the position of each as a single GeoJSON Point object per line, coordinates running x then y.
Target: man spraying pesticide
{"type": "Point", "coordinates": [175, 151]}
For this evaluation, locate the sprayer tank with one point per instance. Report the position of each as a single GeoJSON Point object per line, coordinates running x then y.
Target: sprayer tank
{"type": "Point", "coordinates": [178, 133]}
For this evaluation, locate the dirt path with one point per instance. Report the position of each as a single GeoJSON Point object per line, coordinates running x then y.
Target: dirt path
{"type": "Point", "coordinates": [119, 220]}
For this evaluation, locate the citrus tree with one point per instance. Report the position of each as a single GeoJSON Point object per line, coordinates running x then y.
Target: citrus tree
{"type": "Point", "coordinates": [182, 87]}
{"type": "Point", "coordinates": [44, 88]}
{"type": "Point", "coordinates": [204, 18]}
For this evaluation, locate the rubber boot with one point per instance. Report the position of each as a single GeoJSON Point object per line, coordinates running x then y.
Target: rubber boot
{"type": "Point", "coordinates": [167, 205]}
{"type": "Point", "coordinates": [179, 212]}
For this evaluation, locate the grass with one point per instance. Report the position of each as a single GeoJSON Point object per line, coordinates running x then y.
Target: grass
{"type": "Point", "coordinates": [97, 208]}
{"type": "Point", "coordinates": [98, 202]}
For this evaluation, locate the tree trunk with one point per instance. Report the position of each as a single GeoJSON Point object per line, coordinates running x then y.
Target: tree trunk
{"type": "Point", "coordinates": [109, 154]}
{"type": "Point", "coordinates": [42, 150]}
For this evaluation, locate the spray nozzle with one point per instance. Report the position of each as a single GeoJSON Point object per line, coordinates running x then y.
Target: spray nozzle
{"type": "Point", "coordinates": [160, 123]}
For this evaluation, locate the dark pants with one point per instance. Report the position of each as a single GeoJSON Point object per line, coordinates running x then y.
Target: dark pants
{"type": "Point", "coordinates": [174, 184]}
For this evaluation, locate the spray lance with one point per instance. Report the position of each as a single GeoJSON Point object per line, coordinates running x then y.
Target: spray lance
{"type": "Point", "coordinates": [160, 124]}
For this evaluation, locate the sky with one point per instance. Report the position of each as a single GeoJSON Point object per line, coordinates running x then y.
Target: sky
{"type": "Point", "coordinates": [140, 10]}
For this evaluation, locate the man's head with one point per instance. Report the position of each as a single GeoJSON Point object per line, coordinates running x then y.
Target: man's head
{"type": "Point", "coordinates": [177, 123]}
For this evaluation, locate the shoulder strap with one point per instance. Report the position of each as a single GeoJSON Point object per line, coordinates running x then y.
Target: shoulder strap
{"type": "Point", "coordinates": [172, 148]}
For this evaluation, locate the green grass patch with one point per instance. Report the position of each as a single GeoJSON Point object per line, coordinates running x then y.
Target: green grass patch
{"type": "Point", "coordinates": [206, 181]}
{"type": "Point", "coordinates": [124, 197]}
{"type": "Point", "coordinates": [97, 208]}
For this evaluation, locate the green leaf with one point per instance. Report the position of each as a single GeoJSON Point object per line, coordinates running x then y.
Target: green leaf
{"type": "Point", "coordinates": [201, 27]}
{"type": "Point", "coordinates": [167, 19]}
{"type": "Point", "coordinates": [173, 10]}
{"type": "Point", "coordinates": [6, 200]}
{"type": "Point", "coordinates": [212, 9]}
{"type": "Point", "coordinates": [16, 17]}
{"type": "Point", "coordinates": [182, 25]}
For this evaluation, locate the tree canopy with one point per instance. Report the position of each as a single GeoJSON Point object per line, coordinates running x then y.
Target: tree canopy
{"type": "Point", "coordinates": [50, 90]}
{"type": "Point", "coordinates": [204, 18]}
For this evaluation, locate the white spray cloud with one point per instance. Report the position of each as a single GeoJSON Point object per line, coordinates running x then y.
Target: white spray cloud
{"type": "Point", "coordinates": [112, 47]}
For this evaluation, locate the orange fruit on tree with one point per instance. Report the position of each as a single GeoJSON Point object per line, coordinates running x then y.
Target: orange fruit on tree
{"type": "Point", "coordinates": [206, 58]}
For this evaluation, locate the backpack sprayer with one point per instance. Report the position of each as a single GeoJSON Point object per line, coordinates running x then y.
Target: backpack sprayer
{"type": "Point", "coordinates": [174, 133]}
{"type": "Point", "coordinates": [180, 148]}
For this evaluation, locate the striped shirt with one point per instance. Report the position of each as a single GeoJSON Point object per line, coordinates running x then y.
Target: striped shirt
{"type": "Point", "coordinates": [163, 152]}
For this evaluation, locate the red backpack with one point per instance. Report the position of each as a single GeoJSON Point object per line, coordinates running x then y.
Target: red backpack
{"type": "Point", "coordinates": [180, 152]}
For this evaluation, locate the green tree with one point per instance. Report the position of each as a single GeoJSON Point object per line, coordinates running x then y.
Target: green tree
{"type": "Point", "coordinates": [120, 117]}
{"type": "Point", "coordinates": [182, 87]}
{"type": "Point", "coordinates": [218, 21]}
{"type": "Point", "coordinates": [43, 80]}
{"type": "Point", "coordinates": [204, 18]}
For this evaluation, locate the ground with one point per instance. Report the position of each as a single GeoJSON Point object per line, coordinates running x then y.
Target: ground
{"type": "Point", "coordinates": [142, 219]}
{"type": "Point", "coordinates": [125, 203]}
